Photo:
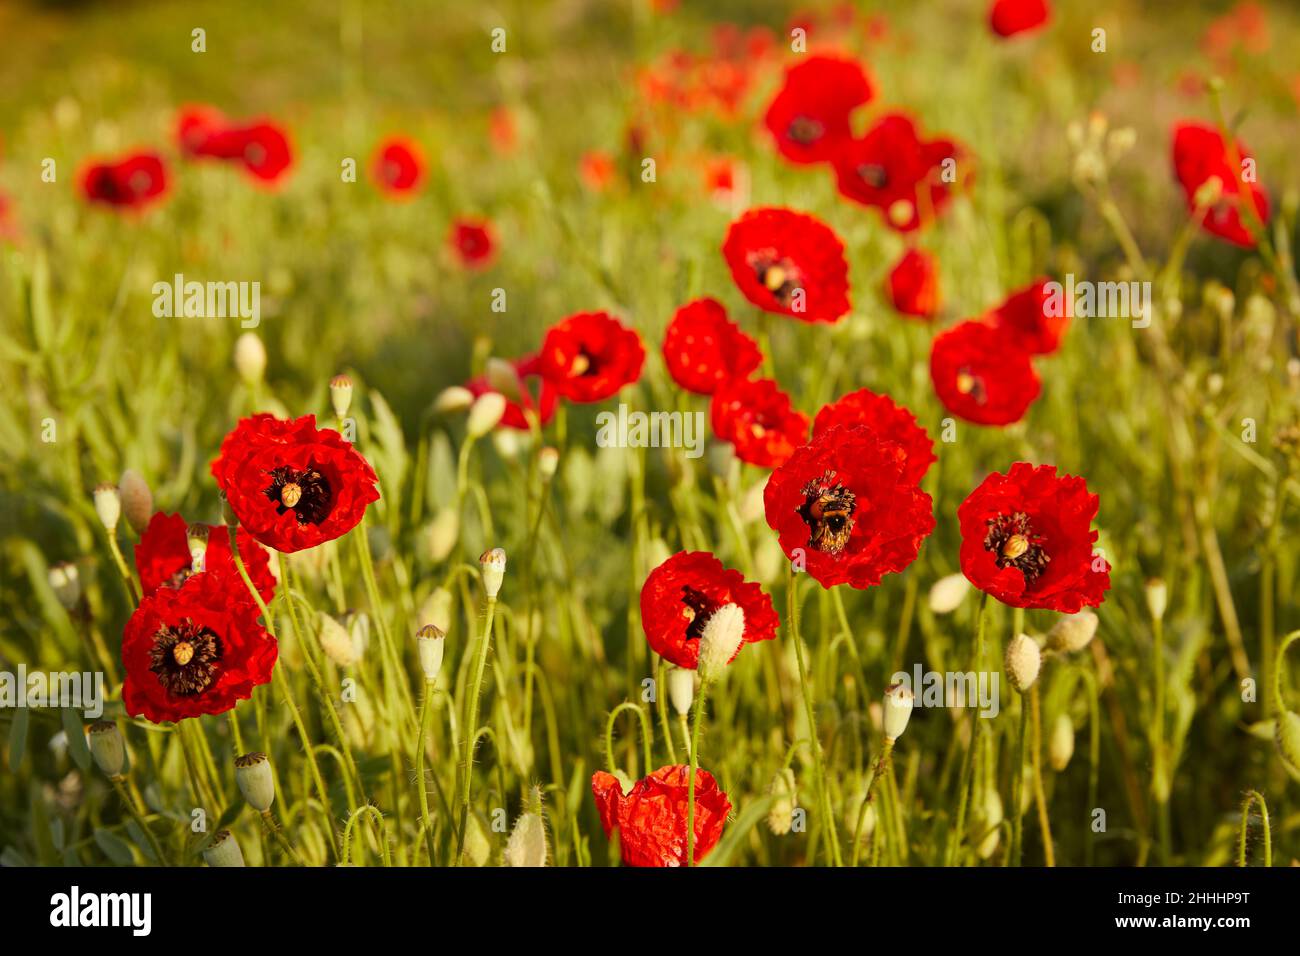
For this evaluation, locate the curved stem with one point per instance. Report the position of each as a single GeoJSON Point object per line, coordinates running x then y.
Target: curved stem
{"type": "Point", "coordinates": [1254, 796]}
{"type": "Point", "coordinates": [645, 735]}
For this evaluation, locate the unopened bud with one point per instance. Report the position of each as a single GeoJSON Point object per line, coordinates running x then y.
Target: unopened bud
{"type": "Point", "coordinates": [1073, 632]}
{"type": "Point", "coordinates": [485, 414]}
{"type": "Point", "coordinates": [340, 395]}
{"type": "Point", "coordinates": [1022, 661]}
{"type": "Point", "coordinates": [502, 377]}
{"type": "Point", "coordinates": [454, 399]}
{"type": "Point", "coordinates": [681, 689]}
{"type": "Point", "coordinates": [548, 461]}
{"type": "Point", "coordinates": [337, 643]}
{"type": "Point", "coordinates": [1061, 747]}
{"type": "Point", "coordinates": [527, 843]}
{"type": "Point", "coordinates": [897, 710]}
{"type": "Point", "coordinates": [431, 641]}
{"type": "Point", "coordinates": [444, 532]}
{"type": "Point", "coordinates": [66, 582]}
{"type": "Point", "coordinates": [196, 536]}
{"type": "Point", "coordinates": [436, 609]}
{"type": "Point", "coordinates": [720, 640]}
{"type": "Point", "coordinates": [250, 358]}
{"type": "Point", "coordinates": [223, 850]}
{"type": "Point", "coordinates": [253, 774]}
{"type": "Point", "coordinates": [780, 815]}
{"type": "Point", "coordinates": [1157, 598]}
{"type": "Point", "coordinates": [137, 500]}
{"type": "Point", "coordinates": [987, 823]}
{"type": "Point", "coordinates": [107, 747]}
{"type": "Point", "coordinates": [948, 592]}
{"type": "Point", "coordinates": [493, 563]}
{"type": "Point", "coordinates": [108, 505]}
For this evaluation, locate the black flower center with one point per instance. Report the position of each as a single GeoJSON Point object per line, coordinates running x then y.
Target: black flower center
{"type": "Point", "coordinates": [185, 658]}
{"type": "Point", "coordinates": [828, 509]}
{"type": "Point", "coordinates": [805, 130]}
{"type": "Point", "coordinates": [1012, 539]}
{"type": "Point", "coordinates": [874, 175]}
{"type": "Point", "coordinates": [305, 492]}
{"type": "Point", "coordinates": [699, 608]}
{"type": "Point", "coordinates": [779, 276]}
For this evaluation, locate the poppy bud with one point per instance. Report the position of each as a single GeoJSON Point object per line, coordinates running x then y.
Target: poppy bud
{"type": "Point", "coordinates": [196, 536]}
{"type": "Point", "coordinates": [1072, 632]}
{"type": "Point", "coordinates": [548, 461]}
{"type": "Point", "coordinates": [250, 358]}
{"type": "Point", "coordinates": [485, 414]}
{"type": "Point", "coordinates": [1022, 662]}
{"type": "Point", "coordinates": [502, 377]}
{"type": "Point", "coordinates": [723, 634]}
{"type": "Point", "coordinates": [527, 843]}
{"type": "Point", "coordinates": [987, 823]}
{"type": "Point", "coordinates": [66, 582]}
{"type": "Point", "coordinates": [454, 399]}
{"type": "Point", "coordinates": [493, 563]}
{"type": "Point", "coordinates": [477, 845]}
{"type": "Point", "coordinates": [338, 645]}
{"type": "Point", "coordinates": [901, 212]}
{"type": "Point", "coordinates": [897, 710]}
{"type": "Point", "coordinates": [780, 816]}
{"type": "Point", "coordinates": [107, 747]}
{"type": "Point", "coordinates": [431, 642]}
{"type": "Point", "coordinates": [948, 592]}
{"type": "Point", "coordinates": [340, 395]}
{"type": "Point", "coordinates": [253, 774]}
{"type": "Point", "coordinates": [223, 850]}
{"type": "Point", "coordinates": [137, 500]}
{"type": "Point", "coordinates": [1061, 747]}
{"type": "Point", "coordinates": [444, 532]}
{"type": "Point", "coordinates": [358, 625]}
{"type": "Point", "coordinates": [108, 505]}
{"type": "Point", "coordinates": [1157, 598]}
{"type": "Point", "coordinates": [681, 689]}
{"type": "Point", "coordinates": [1287, 736]}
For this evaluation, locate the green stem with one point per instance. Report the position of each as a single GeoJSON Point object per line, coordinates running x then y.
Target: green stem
{"type": "Point", "coordinates": [1017, 788]}
{"type": "Point", "coordinates": [1044, 823]}
{"type": "Point", "coordinates": [1253, 796]}
{"type": "Point", "coordinates": [426, 716]}
{"type": "Point", "coordinates": [645, 735]}
{"type": "Point", "coordinates": [695, 762]}
{"type": "Point", "coordinates": [471, 722]}
{"type": "Point", "coordinates": [119, 784]}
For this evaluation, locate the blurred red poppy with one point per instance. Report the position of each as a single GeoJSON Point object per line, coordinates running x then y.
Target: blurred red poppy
{"type": "Point", "coordinates": [759, 420]}
{"type": "Point", "coordinates": [680, 596]}
{"type": "Point", "coordinates": [788, 262]}
{"type": "Point", "coordinates": [133, 182]}
{"type": "Point", "coordinates": [472, 242]}
{"type": "Point", "coordinates": [596, 169]}
{"type": "Point", "coordinates": [703, 348]}
{"type": "Point", "coordinates": [398, 167]}
{"type": "Point", "coordinates": [809, 116]}
{"type": "Point", "coordinates": [1027, 540]}
{"type": "Point", "coordinates": [981, 374]}
{"type": "Point", "coordinates": [260, 147]}
{"type": "Point", "coordinates": [589, 356]}
{"type": "Point", "coordinates": [522, 402]}
{"type": "Point", "coordinates": [847, 505]}
{"type": "Point", "coordinates": [1033, 318]}
{"type": "Point", "coordinates": [913, 284]}
{"type": "Point", "coordinates": [1200, 154]}
{"type": "Point", "coordinates": [651, 817]}
{"type": "Point", "coordinates": [1010, 17]}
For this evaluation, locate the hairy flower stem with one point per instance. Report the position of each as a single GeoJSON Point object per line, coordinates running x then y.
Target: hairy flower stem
{"type": "Point", "coordinates": [1040, 797]}
{"type": "Point", "coordinates": [281, 683]}
{"type": "Point", "coordinates": [137, 814]}
{"type": "Point", "coordinates": [470, 730]}
{"type": "Point", "coordinates": [695, 763]}
{"type": "Point", "coordinates": [792, 617]}
{"type": "Point", "coordinates": [1017, 788]}
{"type": "Point", "coordinates": [385, 637]}
{"type": "Point", "coordinates": [426, 719]}
{"type": "Point", "coordinates": [881, 769]}
{"type": "Point", "coordinates": [958, 831]}
{"type": "Point", "coordinates": [1160, 776]}
{"type": "Point", "coordinates": [128, 580]}
{"type": "Point", "coordinates": [1253, 796]}
{"type": "Point", "coordinates": [645, 735]}
{"type": "Point", "coordinates": [273, 828]}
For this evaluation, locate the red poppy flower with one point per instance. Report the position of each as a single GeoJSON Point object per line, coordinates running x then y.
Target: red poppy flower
{"type": "Point", "coordinates": [680, 596]}
{"type": "Point", "coordinates": [261, 147]}
{"type": "Point", "coordinates": [809, 117]}
{"type": "Point", "coordinates": [1201, 154]}
{"type": "Point", "coordinates": [1009, 17]}
{"type": "Point", "coordinates": [703, 348]}
{"type": "Point", "coordinates": [913, 285]}
{"type": "Point", "coordinates": [194, 649]}
{"type": "Point", "coordinates": [471, 241]}
{"type": "Point", "coordinates": [758, 419]}
{"type": "Point", "coordinates": [788, 262]}
{"type": "Point", "coordinates": [723, 179]}
{"type": "Point", "coordinates": [523, 400]}
{"type": "Point", "coordinates": [398, 167]}
{"type": "Point", "coordinates": [590, 356]}
{"type": "Point", "coordinates": [848, 506]}
{"type": "Point", "coordinates": [889, 420]}
{"type": "Point", "coordinates": [292, 485]}
{"type": "Point", "coordinates": [1034, 318]}
{"type": "Point", "coordinates": [8, 222]}
{"type": "Point", "coordinates": [596, 170]}
{"type": "Point", "coordinates": [1027, 540]}
{"type": "Point", "coordinates": [895, 170]}
{"type": "Point", "coordinates": [163, 560]}
{"type": "Point", "coordinates": [502, 129]}
{"type": "Point", "coordinates": [982, 375]}
{"type": "Point", "coordinates": [132, 182]}
{"type": "Point", "coordinates": [651, 817]}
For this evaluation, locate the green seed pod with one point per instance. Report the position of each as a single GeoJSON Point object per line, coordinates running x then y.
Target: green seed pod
{"type": "Point", "coordinates": [253, 774]}
{"type": "Point", "coordinates": [223, 850]}
{"type": "Point", "coordinates": [107, 747]}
